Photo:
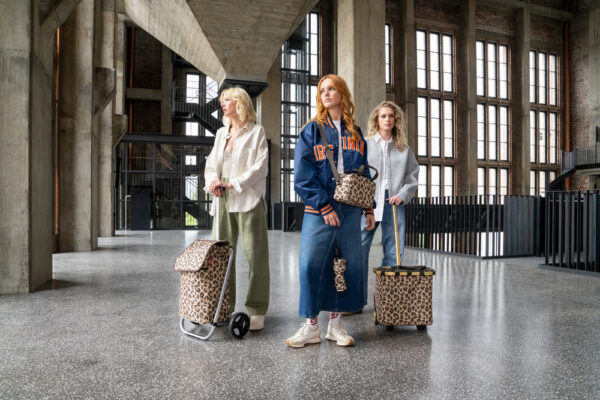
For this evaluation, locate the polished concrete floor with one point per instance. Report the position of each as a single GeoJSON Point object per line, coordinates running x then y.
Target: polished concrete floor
{"type": "Point", "coordinates": [107, 328]}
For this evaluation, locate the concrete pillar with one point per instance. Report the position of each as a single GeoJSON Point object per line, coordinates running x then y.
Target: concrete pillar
{"type": "Point", "coordinates": [466, 167]}
{"type": "Point", "coordinates": [594, 94]}
{"type": "Point", "coordinates": [78, 140]}
{"type": "Point", "coordinates": [360, 43]}
{"type": "Point", "coordinates": [106, 61]}
{"type": "Point", "coordinates": [268, 107]}
{"type": "Point", "coordinates": [521, 160]}
{"type": "Point", "coordinates": [166, 123]}
{"type": "Point", "coordinates": [407, 83]}
{"type": "Point", "coordinates": [26, 151]}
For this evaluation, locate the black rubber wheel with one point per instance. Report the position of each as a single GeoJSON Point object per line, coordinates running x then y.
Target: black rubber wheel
{"type": "Point", "coordinates": [239, 324]}
{"type": "Point", "coordinates": [389, 327]}
{"type": "Point", "coordinates": [422, 327]}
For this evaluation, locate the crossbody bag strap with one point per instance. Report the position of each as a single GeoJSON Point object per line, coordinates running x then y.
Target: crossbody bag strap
{"type": "Point", "coordinates": [329, 154]}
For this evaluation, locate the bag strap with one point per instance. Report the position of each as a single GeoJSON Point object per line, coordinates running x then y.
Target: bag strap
{"type": "Point", "coordinates": [329, 154]}
{"type": "Point", "coordinates": [361, 171]}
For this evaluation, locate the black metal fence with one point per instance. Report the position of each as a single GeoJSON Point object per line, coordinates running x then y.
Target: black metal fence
{"type": "Point", "coordinates": [483, 226]}
{"type": "Point", "coordinates": [572, 237]}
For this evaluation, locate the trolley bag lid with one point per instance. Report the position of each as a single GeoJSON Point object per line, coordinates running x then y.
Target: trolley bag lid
{"type": "Point", "coordinates": [417, 270]}
{"type": "Point", "coordinates": [194, 257]}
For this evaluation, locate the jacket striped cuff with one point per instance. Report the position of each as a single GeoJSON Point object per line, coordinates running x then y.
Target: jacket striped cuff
{"type": "Point", "coordinates": [368, 211]}
{"type": "Point", "coordinates": [326, 210]}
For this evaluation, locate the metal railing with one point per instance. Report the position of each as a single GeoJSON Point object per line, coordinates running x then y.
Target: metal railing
{"type": "Point", "coordinates": [572, 237]}
{"type": "Point", "coordinates": [483, 226]}
{"type": "Point", "coordinates": [201, 102]}
{"type": "Point", "coordinates": [582, 158]}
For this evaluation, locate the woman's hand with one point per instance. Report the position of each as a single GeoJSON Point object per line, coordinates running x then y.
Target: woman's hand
{"type": "Point", "coordinates": [332, 219]}
{"type": "Point", "coordinates": [395, 200]}
{"type": "Point", "coordinates": [216, 187]}
{"type": "Point", "coordinates": [370, 222]}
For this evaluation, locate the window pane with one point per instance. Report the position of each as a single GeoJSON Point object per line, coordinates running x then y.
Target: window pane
{"type": "Point", "coordinates": [448, 128]}
{"type": "Point", "coordinates": [448, 181]}
{"type": "Point", "coordinates": [422, 126]}
{"type": "Point", "coordinates": [504, 133]}
{"type": "Point", "coordinates": [492, 129]}
{"type": "Point", "coordinates": [552, 138]}
{"type": "Point", "coordinates": [492, 181]}
{"type": "Point", "coordinates": [388, 50]}
{"type": "Point", "coordinates": [192, 88]}
{"type": "Point", "coordinates": [532, 183]}
{"type": "Point", "coordinates": [553, 83]}
{"type": "Point", "coordinates": [448, 65]}
{"type": "Point", "coordinates": [481, 131]}
{"type": "Point", "coordinates": [533, 136]}
{"type": "Point", "coordinates": [542, 183]}
{"type": "Point", "coordinates": [480, 68]}
{"type": "Point", "coordinates": [504, 181]}
{"type": "Point", "coordinates": [191, 129]}
{"type": "Point", "coordinates": [435, 181]}
{"type": "Point", "coordinates": [434, 61]}
{"type": "Point", "coordinates": [491, 69]}
{"type": "Point", "coordinates": [542, 78]}
{"type": "Point", "coordinates": [435, 128]}
{"type": "Point", "coordinates": [532, 67]}
{"type": "Point", "coordinates": [542, 137]}
{"type": "Point", "coordinates": [422, 189]}
{"type": "Point", "coordinates": [421, 60]}
{"type": "Point", "coordinates": [503, 70]}
{"type": "Point", "coordinates": [480, 181]}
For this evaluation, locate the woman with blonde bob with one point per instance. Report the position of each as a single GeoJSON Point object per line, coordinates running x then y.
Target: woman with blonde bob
{"type": "Point", "coordinates": [396, 184]}
{"type": "Point", "coordinates": [236, 171]}
{"type": "Point", "coordinates": [327, 224]}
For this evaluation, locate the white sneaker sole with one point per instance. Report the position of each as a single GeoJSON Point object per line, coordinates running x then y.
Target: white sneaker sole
{"type": "Point", "coordinates": [341, 344]}
{"type": "Point", "coordinates": [299, 345]}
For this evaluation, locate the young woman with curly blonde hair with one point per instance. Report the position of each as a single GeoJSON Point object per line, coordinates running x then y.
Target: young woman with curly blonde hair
{"type": "Point", "coordinates": [396, 184]}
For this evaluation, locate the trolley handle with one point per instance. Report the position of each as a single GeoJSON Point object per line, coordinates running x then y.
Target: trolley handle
{"type": "Point", "coordinates": [217, 213]}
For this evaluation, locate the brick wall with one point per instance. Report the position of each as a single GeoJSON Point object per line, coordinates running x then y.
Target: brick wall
{"type": "Point", "coordinates": [148, 61]}
{"type": "Point", "coordinates": [146, 116]}
{"type": "Point", "coordinates": [580, 113]}
{"type": "Point", "coordinates": [494, 20]}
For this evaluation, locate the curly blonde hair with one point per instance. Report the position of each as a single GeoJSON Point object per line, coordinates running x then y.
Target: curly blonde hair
{"type": "Point", "coordinates": [347, 105]}
{"type": "Point", "coordinates": [398, 131]}
{"type": "Point", "coordinates": [244, 104]}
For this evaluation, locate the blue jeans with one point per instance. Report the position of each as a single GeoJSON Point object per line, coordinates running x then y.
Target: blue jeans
{"type": "Point", "coordinates": [318, 242]}
{"type": "Point", "coordinates": [387, 237]}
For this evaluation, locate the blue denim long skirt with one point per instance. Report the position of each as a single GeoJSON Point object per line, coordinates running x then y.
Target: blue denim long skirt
{"type": "Point", "coordinates": [317, 249]}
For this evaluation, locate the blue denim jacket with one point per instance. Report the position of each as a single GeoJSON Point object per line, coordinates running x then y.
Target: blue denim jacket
{"type": "Point", "coordinates": [313, 178]}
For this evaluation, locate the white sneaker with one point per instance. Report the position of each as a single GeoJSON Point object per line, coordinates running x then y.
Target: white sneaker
{"type": "Point", "coordinates": [338, 334]}
{"type": "Point", "coordinates": [305, 335]}
{"type": "Point", "coordinates": [257, 322]}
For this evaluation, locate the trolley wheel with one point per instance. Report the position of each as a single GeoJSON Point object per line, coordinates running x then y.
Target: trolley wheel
{"type": "Point", "coordinates": [389, 327]}
{"type": "Point", "coordinates": [375, 318]}
{"type": "Point", "coordinates": [239, 324]}
{"type": "Point", "coordinates": [422, 327]}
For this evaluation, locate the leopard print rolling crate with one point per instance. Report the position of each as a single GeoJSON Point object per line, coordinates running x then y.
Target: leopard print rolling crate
{"type": "Point", "coordinates": [403, 297]}
{"type": "Point", "coordinates": [203, 266]}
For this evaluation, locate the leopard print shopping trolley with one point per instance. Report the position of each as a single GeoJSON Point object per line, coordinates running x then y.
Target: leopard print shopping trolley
{"type": "Point", "coordinates": [403, 295]}
{"type": "Point", "coordinates": [205, 266]}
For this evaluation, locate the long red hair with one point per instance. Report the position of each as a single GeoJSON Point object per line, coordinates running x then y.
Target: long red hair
{"type": "Point", "coordinates": [347, 105]}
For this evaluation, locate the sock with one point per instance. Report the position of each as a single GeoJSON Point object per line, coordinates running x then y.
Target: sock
{"type": "Point", "coordinates": [312, 322]}
{"type": "Point", "coordinates": [334, 318]}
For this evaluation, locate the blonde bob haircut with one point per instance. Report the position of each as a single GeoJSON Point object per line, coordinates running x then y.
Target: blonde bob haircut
{"type": "Point", "coordinates": [398, 131]}
{"type": "Point", "coordinates": [243, 105]}
{"type": "Point", "coordinates": [347, 105]}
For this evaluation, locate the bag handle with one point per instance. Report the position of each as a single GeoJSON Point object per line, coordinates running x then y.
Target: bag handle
{"type": "Point", "coordinates": [329, 154]}
{"type": "Point", "coordinates": [361, 171]}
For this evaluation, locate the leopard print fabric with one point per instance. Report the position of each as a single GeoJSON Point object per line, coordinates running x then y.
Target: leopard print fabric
{"type": "Point", "coordinates": [339, 266]}
{"type": "Point", "coordinates": [355, 190]}
{"type": "Point", "coordinates": [203, 266]}
{"type": "Point", "coordinates": [403, 300]}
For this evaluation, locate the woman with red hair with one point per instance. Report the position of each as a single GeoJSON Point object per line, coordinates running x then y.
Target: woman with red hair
{"type": "Point", "coordinates": [328, 225]}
